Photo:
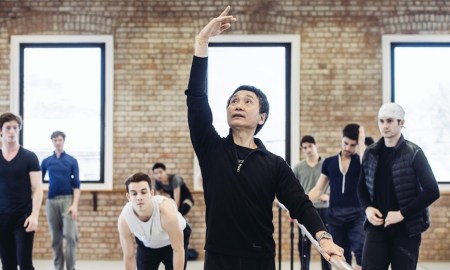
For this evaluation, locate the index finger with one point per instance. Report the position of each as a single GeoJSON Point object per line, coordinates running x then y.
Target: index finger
{"type": "Point", "coordinates": [225, 12]}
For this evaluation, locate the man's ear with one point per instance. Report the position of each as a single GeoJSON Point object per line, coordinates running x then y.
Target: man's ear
{"type": "Point", "coordinates": [128, 196]}
{"type": "Point", "coordinates": [262, 118]}
{"type": "Point", "coordinates": [152, 192]}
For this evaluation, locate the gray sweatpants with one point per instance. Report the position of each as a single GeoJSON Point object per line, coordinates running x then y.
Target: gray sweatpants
{"type": "Point", "coordinates": [61, 225]}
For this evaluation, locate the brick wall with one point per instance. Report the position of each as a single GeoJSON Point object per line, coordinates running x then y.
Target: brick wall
{"type": "Point", "coordinates": [340, 82]}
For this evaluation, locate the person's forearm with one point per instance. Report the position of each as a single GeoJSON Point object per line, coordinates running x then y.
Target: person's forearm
{"type": "Point", "coordinates": [177, 195]}
{"type": "Point", "coordinates": [314, 194]}
{"type": "Point", "coordinates": [201, 46]}
{"type": "Point", "coordinates": [130, 264]}
{"type": "Point", "coordinates": [37, 200]}
{"type": "Point", "coordinates": [76, 197]}
{"type": "Point", "coordinates": [178, 260]}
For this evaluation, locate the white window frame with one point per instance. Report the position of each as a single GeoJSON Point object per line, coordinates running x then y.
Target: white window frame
{"type": "Point", "coordinates": [17, 40]}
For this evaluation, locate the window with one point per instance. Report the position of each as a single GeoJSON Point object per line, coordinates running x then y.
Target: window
{"type": "Point", "coordinates": [65, 83]}
{"type": "Point", "coordinates": [416, 75]}
{"type": "Point", "coordinates": [270, 63]}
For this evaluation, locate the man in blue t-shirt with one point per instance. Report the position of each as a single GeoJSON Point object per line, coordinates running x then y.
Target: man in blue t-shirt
{"type": "Point", "coordinates": [62, 201]}
{"type": "Point", "coordinates": [345, 214]}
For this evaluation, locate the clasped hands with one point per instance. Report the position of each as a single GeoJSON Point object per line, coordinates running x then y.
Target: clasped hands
{"type": "Point", "coordinates": [375, 217]}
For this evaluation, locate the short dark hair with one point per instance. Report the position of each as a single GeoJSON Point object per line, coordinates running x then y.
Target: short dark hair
{"type": "Point", "coordinates": [138, 177]}
{"type": "Point", "coordinates": [351, 131]}
{"type": "Point", "coordinates": [8, 116]}
{"type": "Point", "coordinates": [263, 102]}
{"type": "Point", "coordinates": [307, 139]}
{"type": "Point", "coordinates": [58, 133]}
{"type": "Point", "coordinates": [369, 140]}
{"type": "Point", "coordinates": [159, 165]}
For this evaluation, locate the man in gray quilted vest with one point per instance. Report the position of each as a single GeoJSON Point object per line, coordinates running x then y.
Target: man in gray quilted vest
{"type": "Point", "coordinates": [396, 187]}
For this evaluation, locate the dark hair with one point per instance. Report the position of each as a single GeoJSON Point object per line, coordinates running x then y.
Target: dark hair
{"type": "Point", "coordinates": [138, 177]}
{"type": "Point", "coordinates": [263, 102]}
{"type": "Point", "coordinates": [58, 133]}
{"type": "Point", "coordinates": [368, 141]}
{"type": "Point", "coordinates": [6, 117]}
{"type": "Point", "coordinates": [307, 139]}
{"type": "Point", "coordinates": [159, 165]}
{"type": "Point", "coordinates": [351, 131]}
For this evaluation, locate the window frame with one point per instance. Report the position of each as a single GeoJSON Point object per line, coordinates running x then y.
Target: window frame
{"type": "Point", "coordinates": [293, 100]}
{"type": "Point", "coordinates": [106, 178]}
{"type": "Point", "coordinates": [388, 41]}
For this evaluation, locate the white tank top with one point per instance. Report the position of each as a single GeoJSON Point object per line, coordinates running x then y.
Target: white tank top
{"type": "Point", "coordinates": [150, 233]}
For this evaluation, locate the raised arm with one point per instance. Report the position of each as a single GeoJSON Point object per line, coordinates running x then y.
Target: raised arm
{"type": "Point", "coordinates": [200, 119]}
{"type": "Point", "coordinates": [215, 27]}
{"type": "Point", "coordinates": [169, 222]}
{"type": "Point", "coordinates": [127, 243]}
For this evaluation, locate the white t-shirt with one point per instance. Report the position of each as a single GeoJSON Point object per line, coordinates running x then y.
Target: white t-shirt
{"type": "Point", "coordinates": [150, 233]}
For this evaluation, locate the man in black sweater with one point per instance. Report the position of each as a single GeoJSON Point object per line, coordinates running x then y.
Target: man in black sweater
{"type": "Point", "coordinates": [240, 177]}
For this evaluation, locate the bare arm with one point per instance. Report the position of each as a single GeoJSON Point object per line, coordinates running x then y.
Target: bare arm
{"type": "Point", "coordinates": [73, 209]}
{"type": "Point", "coordinates": [319, 188]}
{"type": "Point", "coordinates": [31, 223]}
{"type": "Point", "coordinates": [176, 196]}
{"type": "Point", "coordinates": [169, 222]}
{"type": "Point", "coordinates": [361, 142]}
{"type": "Point", "coordinates": [215, 27]}
{"type": "Point", "coordinates": [127, 243]}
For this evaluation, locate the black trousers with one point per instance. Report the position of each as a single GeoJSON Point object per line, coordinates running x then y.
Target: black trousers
{"type": "Point", "coordinates": [150, 258]}
{"type": "Point", "coordinates": [391, 246]}
{"type": "Point", "coordinates": [214, 261]}
{"type": "Point", "coordinates": [16, 245]}
{"type": "Point", "coordinates": [304, 245]}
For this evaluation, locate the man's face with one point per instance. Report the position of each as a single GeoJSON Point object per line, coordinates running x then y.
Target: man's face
{"type": "Point", "coordinates": [159, 174]}
{"type": "Point", "coordinates": [58, 143]}
{"type": "Point", "coordinates": [10, 132]}
{"type": "Point", "coordinates": [309, 149]}
{"type": "Point", "coordinates": [139, 195]}
{"type": "Point", "coordinates": [348, 146]}
{"type": "Point", "coordinates": [243, 111]}
{"type": "Point", "coordinates": [390, 127]}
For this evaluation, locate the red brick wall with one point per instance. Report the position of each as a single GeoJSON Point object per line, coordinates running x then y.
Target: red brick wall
{"type": "Point", "coordinates": [340, 75]}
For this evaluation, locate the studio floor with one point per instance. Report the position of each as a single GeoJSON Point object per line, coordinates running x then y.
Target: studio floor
{"type": "Point", "coordinates": [198, 265]}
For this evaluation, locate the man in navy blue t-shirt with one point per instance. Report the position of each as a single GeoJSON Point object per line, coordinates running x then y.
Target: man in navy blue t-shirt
{"type": "Point", "coordinates": [345, 214]}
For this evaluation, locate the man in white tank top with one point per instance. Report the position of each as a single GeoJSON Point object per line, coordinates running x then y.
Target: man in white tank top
{"type": "Point", "coordinates": [155, 225]}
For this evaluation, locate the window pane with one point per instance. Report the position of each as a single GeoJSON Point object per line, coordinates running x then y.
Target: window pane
{"type": "Point", "coordinates": [62, 91]}
{"type": "Point", "coordinates": [422, 87]}
{"type": "Point", "coordinates": [262, 67]}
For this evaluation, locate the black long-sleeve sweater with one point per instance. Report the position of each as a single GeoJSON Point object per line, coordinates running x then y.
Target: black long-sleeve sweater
{"type": "Point", "coordinates": [239, 201]}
